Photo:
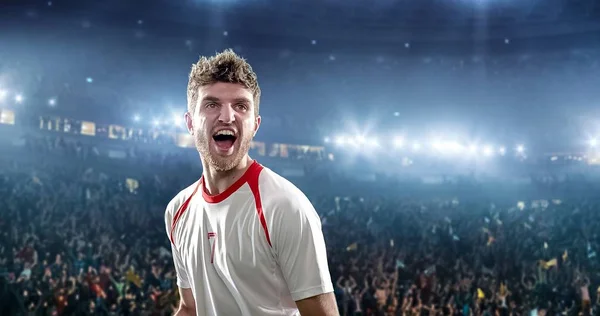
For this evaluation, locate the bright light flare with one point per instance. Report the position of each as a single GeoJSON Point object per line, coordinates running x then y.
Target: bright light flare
{"type": "Point", "coordinates": [399, 142]}
{"type": "Point", "coordinates": [416, 146]}
{"type": "Point", "coordinates": [593, 142]}
{"type": "Point", "coordinates": [454, 146]}
{"type": "Point", "coordinates": [520, 149]}
{"type": "Point", "coordinates": [473, 149]}
{"type": "Point", "coordinates": [18, 98]}
{"type": "Point", "coordinates": [340, 140]}
{"type": "Point", "coordinates": [488, 151]}
{"type": "Point", "coordinates": [136, 118]}
{"type": "Point", "coordinates": [373, 143]}
{"type": "Point", "coordinates": [176, 119]}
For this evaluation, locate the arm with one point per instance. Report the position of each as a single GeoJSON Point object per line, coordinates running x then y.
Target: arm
{"type": "Point", "coordinates": [187, 306]}
{"type": "Point", "coordinates": [587, 281]}
{"type": "Point", "coordinates": [374, 283]}
{"type": "Point", "coordinates": [339, 282]}
{"type": "Point", "coordinates": [352, 282]}
{"type": "Point", "coordinates": [523, 283]}
{"type": "Point", "coordinates": [395, 282]}
{"type": "Point", "coordinates": [320, 305]}
{"type": "Point", "coordinates": [299, 248]}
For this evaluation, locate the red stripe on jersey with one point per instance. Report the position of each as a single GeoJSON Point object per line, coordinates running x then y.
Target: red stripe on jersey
{"type": "Point", "coordinates": [253, 184]}
{"type": "Point", "coordinates": [251, 177]}
{"type": "Point", "coordinates": [253, 171]}
{"type": "Point", "coordinates": [182, 210]}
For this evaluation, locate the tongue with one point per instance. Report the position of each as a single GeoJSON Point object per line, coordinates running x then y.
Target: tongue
{"type": "Point", "coordinates": [224, 144]}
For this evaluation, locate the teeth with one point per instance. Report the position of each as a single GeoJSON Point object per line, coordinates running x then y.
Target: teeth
{"type": "Point", "coordinates": [225, 132]}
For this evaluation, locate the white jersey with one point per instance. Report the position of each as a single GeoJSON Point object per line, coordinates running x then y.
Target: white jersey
{"type": "Point", "coordinates": [254, 249]}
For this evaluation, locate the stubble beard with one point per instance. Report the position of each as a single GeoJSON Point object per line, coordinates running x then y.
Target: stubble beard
{"type": "Point", "coordinates": [218, 162]}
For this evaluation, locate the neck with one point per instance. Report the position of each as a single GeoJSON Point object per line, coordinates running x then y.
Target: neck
{"type": "Point", "coordinates": [215, 182]}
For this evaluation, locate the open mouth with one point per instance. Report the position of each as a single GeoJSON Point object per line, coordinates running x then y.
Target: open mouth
{"type": "Point", "coordinates": [224, 139]}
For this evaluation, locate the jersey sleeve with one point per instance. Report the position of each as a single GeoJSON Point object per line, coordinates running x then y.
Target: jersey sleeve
{"type": "Point", "coordinates": [299, 248]}
{"type": "Point", "coordinates": [182, 277]}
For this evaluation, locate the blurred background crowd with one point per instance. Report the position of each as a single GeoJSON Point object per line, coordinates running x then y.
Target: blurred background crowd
{"type": "Point", "coordinates": [449, 147]}
{"type": "Point", "coordinates": [83, 239]}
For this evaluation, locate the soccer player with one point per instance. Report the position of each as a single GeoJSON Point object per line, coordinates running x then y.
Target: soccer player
{"type": "Point", "coordinates": [245, 241]}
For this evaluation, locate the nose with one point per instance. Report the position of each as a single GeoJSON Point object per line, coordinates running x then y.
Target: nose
{"type": "Point", "coordinates": [227, 114]}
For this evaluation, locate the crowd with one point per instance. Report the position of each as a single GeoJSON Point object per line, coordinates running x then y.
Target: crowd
{"type": "Point", "coordinates": [78, 241]}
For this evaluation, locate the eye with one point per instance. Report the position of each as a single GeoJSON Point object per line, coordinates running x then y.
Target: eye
{"type": "Point", "coordinates": [242, 106]}
{"type": "Point", "coordinates": [211, 105]}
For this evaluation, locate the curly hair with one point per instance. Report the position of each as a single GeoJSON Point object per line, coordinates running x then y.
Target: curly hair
{"type": "Point", "coordinates": [225, 66]}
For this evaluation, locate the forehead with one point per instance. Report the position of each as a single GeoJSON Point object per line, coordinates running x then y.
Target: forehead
{"type": "Point", "coordinates": [225, 92]}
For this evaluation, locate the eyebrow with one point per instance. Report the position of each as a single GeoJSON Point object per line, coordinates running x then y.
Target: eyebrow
{"type": "Point", "coordinates": [215, 99]}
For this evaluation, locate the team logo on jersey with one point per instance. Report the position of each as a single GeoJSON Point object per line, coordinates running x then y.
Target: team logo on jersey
{"type": "Point", "coordinates": [212, 240]}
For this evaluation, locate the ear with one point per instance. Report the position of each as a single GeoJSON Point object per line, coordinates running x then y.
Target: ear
{"type": "Point", "coordinates": [256, 124]}
{"type": "Point", "coordinates": [188, 122]}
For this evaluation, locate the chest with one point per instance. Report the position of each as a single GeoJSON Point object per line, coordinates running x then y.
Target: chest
{"type": "Point", "coordinates": [227, 238]}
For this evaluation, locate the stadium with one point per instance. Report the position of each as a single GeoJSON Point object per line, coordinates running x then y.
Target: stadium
{"type": "Point", "coordinates": [449, 148]}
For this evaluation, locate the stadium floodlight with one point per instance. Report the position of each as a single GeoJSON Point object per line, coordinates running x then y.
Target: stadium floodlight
{"type": "Point", "coordinates": [326, 140]}
{"type": "Point", "coordinates": [502, 151]}
{"type": "Point", "coordinates": [473, 149]}
{"type": "Point", "coordinates": [155, 122]}
{"type": "Point", "coordinates": [18, 98]}
{"type": "Point", "coordinates": [360, 139]}
{"type": "Point", "coordinates": [454, 146]}
{"type": "Point", "coordinates": [52, 102]}
{"type": "Point", "coordinates": [416, 146]}
{"type": "Point", "coordinates": [176, 119]}
{"type": "Point", "coordinates": [374, 142]}
{"type": "Point", "coordinates": [520, 149]}
{"type": "Point", "coordinates": [487, 150]}
{"type": "Point", "coordinates": [399, 142]}
{"type": "Point", "coordinates": [136, 118]}
{"type": "Point", "coordinates": [593, 142]}
{"type": "Point", "coordinates": [340, 140]}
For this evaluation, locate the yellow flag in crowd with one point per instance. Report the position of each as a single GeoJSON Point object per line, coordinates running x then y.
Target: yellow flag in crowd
{"type": "Point", "coordinates": [565, 256]}
{"type": "Point", "coordinates": [132, 277]}
{"type": "Point", "coordinates": [352, 247]}
{"type": "Point", "coordinates": [503, 289]}
{"type": "Point", "coordinates": [551, 263]}
{"type": "Point", "coordinates": [480, 294]}
{"type": "Point", "coordinates": [548, 264]}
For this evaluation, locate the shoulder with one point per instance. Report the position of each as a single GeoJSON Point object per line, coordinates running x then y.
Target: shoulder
{"type": "Point", "coordinates": [178, 201]}
{"type": "Point", "coordinates": [282, 197]}
{"type": "Point", "coordinates": [278, 191]}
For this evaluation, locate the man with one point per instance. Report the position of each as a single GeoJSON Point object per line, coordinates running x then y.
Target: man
{"type": "Point", "coordinates": [245, 241]}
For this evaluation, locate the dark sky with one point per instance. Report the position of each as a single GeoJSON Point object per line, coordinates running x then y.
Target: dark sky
{"type": "Point", "coordinates": [414, 66]}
